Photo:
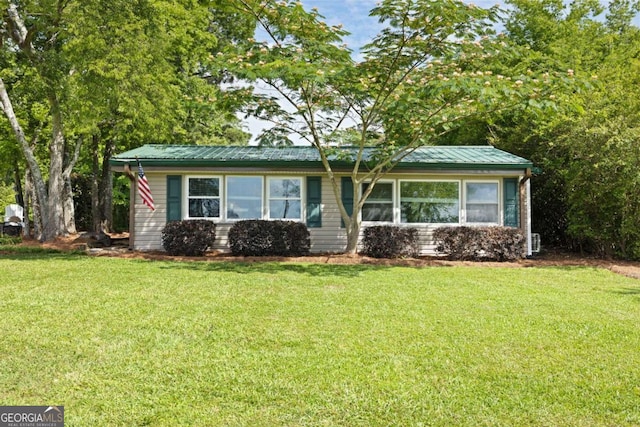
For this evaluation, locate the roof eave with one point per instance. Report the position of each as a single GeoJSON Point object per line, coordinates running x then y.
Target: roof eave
{"type": "Point", "coordinates": [311, 164]}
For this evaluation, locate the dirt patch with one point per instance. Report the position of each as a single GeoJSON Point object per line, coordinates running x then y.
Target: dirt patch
{"type": "Point", "coordinates": [84, 242]}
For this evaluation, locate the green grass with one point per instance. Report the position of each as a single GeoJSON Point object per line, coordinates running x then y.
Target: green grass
{"type": "Point", "coordinates": [132, 343]}
{"type": "Point", "coordinates": [12, 249]}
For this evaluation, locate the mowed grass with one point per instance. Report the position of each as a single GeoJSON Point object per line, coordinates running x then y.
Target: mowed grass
{"type": "Point", "coordinates": [133, 343]}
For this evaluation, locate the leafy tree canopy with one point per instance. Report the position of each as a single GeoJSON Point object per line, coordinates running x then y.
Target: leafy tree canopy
{"type": "Point", "coordinates": [587, 150]}
{"type": "Point", "coordinates": [118, 73]}
{"type": "Point", "coordinates": [432, 65]}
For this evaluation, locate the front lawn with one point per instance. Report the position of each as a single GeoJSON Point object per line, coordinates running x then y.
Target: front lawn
{"type": "Point", "coordinates": [123, 342]}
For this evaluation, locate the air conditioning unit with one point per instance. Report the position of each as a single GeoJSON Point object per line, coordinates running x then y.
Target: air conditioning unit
{"type": "Point", "coordinates": [535, 243]}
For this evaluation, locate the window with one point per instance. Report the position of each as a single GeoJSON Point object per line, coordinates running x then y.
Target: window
{"type": "Point", "coordinates": [204, 197]}
{"type": "Point", "coordinates": [244, 197]}
{"type": "Point", "coordinates": [482, 202]}
{"type": "Point", "coordinates": [285, 198]}
{"type": "Point", "coordinates": [379, 204]}
{"type": "Point", "coordinates": [418, 202]}
{"type": "Point", "coordinates": [429, 202]}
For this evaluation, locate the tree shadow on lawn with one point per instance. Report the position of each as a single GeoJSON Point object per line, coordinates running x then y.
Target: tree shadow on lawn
{"type": "Point", "coordinates": [40, 254]}
{"type": "Point", "coordinates": [633, 292]}
{"type": "Point", "coordinates": [273, 267]}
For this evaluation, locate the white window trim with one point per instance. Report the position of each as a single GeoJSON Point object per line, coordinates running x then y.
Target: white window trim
{"type": "Point", "coordinates": [185, 198]}
{"type": "Point", "coordinates": [226, 197]}
{"type": "Point", "coordinates": [460, 183]}
{"type": "Point", "coordinates": [395, 206]}
{"type": "Point", "coordinates": [463, 206]}
{"type": "Point", "coordinates": [396, 199]}
{"type": "Point", "coordinates": [267, 199]}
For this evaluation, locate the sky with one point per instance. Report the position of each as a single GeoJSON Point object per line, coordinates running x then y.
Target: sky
{"type": "Point", "coordinates": [354, 16]}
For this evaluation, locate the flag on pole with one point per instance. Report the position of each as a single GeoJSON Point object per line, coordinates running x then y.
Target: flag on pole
{"type": "Point", "coordinates": [144, 189]}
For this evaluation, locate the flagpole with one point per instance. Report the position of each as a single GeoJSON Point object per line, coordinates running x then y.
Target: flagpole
{"type": "Point", "coordinates": [133, 195]}
{"type": "Point", "coordinates": [133, 190]}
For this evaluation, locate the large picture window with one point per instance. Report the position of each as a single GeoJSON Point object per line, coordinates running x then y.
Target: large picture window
{"type": "Point", "coordinates": [482, 202]}
{"type": "Point", "coordinates": [429, 202]}
{"type": "Point", "coordinates": [244, 197]}
{"type": "Point", "coordinates": [379, 204]}
{"type": "Point", "coordinates": [285, 198]}
{"type": "Point", "coordinates": [204, 197]}
{"type": "Point", "coordinates": [418, 202]}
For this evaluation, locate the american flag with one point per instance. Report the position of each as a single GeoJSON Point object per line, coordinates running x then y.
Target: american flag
{"type": "Point", "coordinates": [144, 189]}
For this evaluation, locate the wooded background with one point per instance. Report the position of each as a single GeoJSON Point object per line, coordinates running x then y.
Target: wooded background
{"type": "Point", "coordinates": [81, 80]}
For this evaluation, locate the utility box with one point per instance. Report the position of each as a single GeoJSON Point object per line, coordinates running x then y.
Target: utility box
{"type": "Point", "coordinates": [535, 243]}
{"type": "Point", "coordinates": [13, 220]}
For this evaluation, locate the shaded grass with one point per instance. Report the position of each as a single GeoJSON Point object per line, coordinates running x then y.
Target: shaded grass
{"type": "Point", "coordinates": [128, 343]}
{"type": "Point", "coordinates": [15, 251]}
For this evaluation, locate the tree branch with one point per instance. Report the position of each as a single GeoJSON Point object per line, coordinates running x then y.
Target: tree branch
{"type": "Point", "coordinates": [74, 159]}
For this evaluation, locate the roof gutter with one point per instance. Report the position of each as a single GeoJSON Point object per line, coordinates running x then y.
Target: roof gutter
{"type": "Point", "coordinates": [312, 164]}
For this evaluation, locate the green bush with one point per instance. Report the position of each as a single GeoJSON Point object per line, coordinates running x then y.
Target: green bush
{"type": "Point", "coordinates": [269, 238]}
{"type": "Point", "coordinates": [387, 241]}
{"type": "Point", "coordinates": [10, 240]}
{"type": "Point", "coordinates": [188, 237]}
{"type": "Point", "coordinates": [480, 243]}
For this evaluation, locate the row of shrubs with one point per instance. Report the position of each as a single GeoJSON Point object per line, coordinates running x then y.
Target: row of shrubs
{"type": "Point", "coordinates": [457, 243]}
{"type": "Point", "coordinates": [246, 238]}
{"type": "Point", "coordinates": [288, 238]}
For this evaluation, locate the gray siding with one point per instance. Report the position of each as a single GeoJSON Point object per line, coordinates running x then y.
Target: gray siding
{"type": "Point", "coordinates": [149, 224]}
{"type": "Point", "coordinates": [331, 237]}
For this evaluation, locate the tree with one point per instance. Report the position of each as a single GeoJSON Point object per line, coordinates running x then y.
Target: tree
{"type": "Point", "coordinates": [108, 75]}
{"type": "Point", "coordinates": [129, 80]}
{"type": "Point", "coordinates": [34, 46]}
{"type": "Point", "coordinates": [421, 76]}
{"type": "Point", "coordinates": [586, 149]}
{"type": "Point", "coordinates": [143, 77]}
{"type": "Point", "coordinates": [589, 151]}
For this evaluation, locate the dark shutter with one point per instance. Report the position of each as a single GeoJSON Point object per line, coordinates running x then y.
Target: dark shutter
{"type": "Point", "coordinates": [174, 198]}
{"type": "Point", "coordinates": [347, 196]}
{"type": "Point", "coordinates": [511, 203]}
{"type": "Point", "coordinates": [314, 201]}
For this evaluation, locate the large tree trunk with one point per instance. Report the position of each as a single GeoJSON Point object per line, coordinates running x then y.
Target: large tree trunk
{"type": "Point", "coordinates": [28, 197]}
{"type": "Point", "coordinates": [106, 188]}
{"type": "Point", "coordinates": [68, 203]}
{"type": "Point", "coordinates": [95, 184]}
{"type": "Point", "coordinates": [101, 186]}
{"type": "Point", "coordinates": [54, 218]}
{"type": "Point", "coordinates": [31, 204]}
{"type": "Point", "coordinates": [68, 207]}
{"type": "Point", "coordinates": [17, 179]}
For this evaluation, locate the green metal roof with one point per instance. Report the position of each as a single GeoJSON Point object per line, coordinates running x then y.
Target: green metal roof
{"type": "Point", "coordinates": [432, 157]}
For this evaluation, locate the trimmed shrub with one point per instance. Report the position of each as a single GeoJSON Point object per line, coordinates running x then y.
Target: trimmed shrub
{"type": "Point", "coordinates": [480, 243]}
{"type": "Point", "coordinates": [257, 237]}
{"type": "Point", "coordinates": [387, 241]}
{"type": "Point", "coordinates": [188, 237]}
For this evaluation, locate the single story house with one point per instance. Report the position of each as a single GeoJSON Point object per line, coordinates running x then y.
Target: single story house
{"type": "Point", "coordinates": [432, 187]}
